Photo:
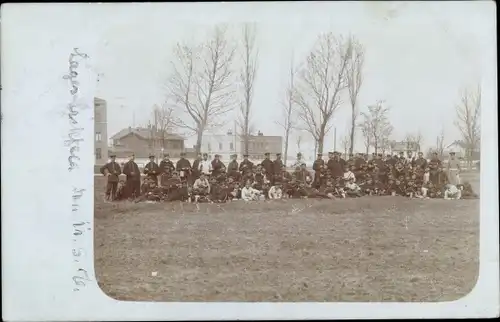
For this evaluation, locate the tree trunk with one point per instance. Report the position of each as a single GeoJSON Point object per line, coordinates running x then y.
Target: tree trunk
{"type": "Point", "coordinates": [376, 147]}
{"type": "Point", "coordinates": [199, 139]}
{"type": "Point", "coordinates": [246, 141]}
{"type": "Point", "coordinates": [320, 145]}
{"type": "Point", "coordinates": [353, 128]}
{"type": "Point", "coordinates": [287, 134]}
{"type": "Point", "coordinates": [367, 149]}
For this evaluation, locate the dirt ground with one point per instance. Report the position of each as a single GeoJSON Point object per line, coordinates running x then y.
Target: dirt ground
{"type": "Point", "coordinates": [366, 249]}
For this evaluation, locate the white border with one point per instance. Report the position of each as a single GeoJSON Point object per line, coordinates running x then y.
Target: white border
{"type": "Point", "coordinates": [37, 222]}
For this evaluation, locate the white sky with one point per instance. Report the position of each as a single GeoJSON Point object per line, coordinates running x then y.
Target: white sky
{"type": "Point", "coordinates": [418, 56]}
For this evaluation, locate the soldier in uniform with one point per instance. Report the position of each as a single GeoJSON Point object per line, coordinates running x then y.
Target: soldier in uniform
{"type": "Point", "coordinates": [246, 166]}
{"type": "Point", "coordinates": [111, 170]}
{"type": "Point", "coordinates": [318, 168]}
{"type": "Point", "coordinates": [183, 167]}
{"type": "Point", "coordinates": [152, 170]}
{"type": "Point", "coordinates": [195, 170]}
{"type": "Point", "coordinates": [277, 166]}
{"type": "Point", "coordinates": [166, 169]}
{"type": "Point", "coordinates": [217, 166]}
{"type": "Point", "coordinates": [232, 167]}
{"type": "Point", "coordinates": [434, 166]}
{"type": "Point", "coordinates": [133, 183]}
{"type": "Point", "coordinates": [421, 162]}
{"type": "Point", "coordinates": [268, 165]}
{"type": "Point", "coordinates": [299, 161]}
{"type": "Point", "coordinates": [453, 170]}
{"type": "Point", "coordinates": [411, 159]}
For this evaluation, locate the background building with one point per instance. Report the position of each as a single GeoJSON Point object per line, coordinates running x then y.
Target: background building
{"type": "Point", "coordinates": [260, 144]}
{"type": "Point", "coordinates": [100, 131]}
{"type": "Point", "coordinates": [143, 141]}
{"type": "Point", "coordinates": [223, 144]}
{"type": "Point", "coordinates": [403, 146]}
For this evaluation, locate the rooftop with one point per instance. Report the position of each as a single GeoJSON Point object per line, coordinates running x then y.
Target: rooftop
{"type": "Point", "coordinates": [146, 134]}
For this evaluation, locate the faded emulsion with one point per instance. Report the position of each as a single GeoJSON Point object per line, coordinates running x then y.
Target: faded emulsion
{"type": "Point", "coordinates": [81, 277]}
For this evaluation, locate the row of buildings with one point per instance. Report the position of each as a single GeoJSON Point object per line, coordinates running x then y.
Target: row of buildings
{"type": "Point", "coordinates": [142, 141]}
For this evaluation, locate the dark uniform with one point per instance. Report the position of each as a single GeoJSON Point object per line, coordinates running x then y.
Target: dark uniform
{"type": "Point", "coordinates": [183, 166]}
{"type": "Point", "coordinates": [166, 169]}
{"type": "Point", "coordinates": [318, 167]}
{"type": "Point", "coordinates": [232, 168]}
{"type": "Point", "coordinates": [152, 170]}
{"type": "Point", "coordinates": [133, 183]}
{"type": "Point", "coordinates": [268, 165]}
{"type": "Point", "coordinates": [434, 166]}
{"type": "Point", "coordinates": [195, 171]}
{"type": "Point", "coordinates": [277, 167]}
{"type": "Point", "coordinates": [246, 166]}
{"type": "Point", "coordinates": [218, 166]}
{"type": "Point", "coordinates": [421, 162]}
{"type": "Point", "coordinates": [112, 170]}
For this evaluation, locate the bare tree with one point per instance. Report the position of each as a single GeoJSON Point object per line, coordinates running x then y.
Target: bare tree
{"type": "Point", "coordinates": [367, 134]}
{"type": "Point", "coordinates": [298, 141]}
{"type": "Point", "coordinates": [287, 117]}
{"type": "Point", "coordinates": [413, 141]}
{"type": "Point", "coordinates": [346, 143]}
{"type": "Point", "coordinates": [163, 123]}
{"type": "Point", "coordinates": [201, 85]}
{"type": "Point", "coordinates": [440, 143]}
{"type": "Point", "coordinates": [319, 85]}
{"type": "Point", "coordinates": [354, 81]}
{"type": "Point", "coordinates": [469, 120]}
{"type": "Point", "coordinates": [377, 121]}
{"type": "Point", "coordinates": [247, 77]}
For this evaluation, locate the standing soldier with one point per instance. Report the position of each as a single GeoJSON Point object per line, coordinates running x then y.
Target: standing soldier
{"type": "Point", "coordinates": [196, 165]}
{"type": "Point", "coordinates": [111, 170]}
{"type": "Point", "coordinates": [183, 167]}
{"type": "Point", "coordinates": [421, 162]}
{"type": "Point", "coordinates": [152, 170]}
{"type": "Point", "coordinates": [232, 167]}
{"type": "Point", "coordinates": [217, 165]}
{"type": "Point", "coordinates": [133, 183]}
{"type": "Point", "coordinates": [411, 159]}
{"type": "Point", "coordinates": [299, 161]}
{"type": "Point", "coordinates": [166, 169]}
{"type": "Point", "coordinates": [434, 166]}
{"type": "Point", "coordinates": [277, 166]}
{"type": "Point", "coordinates": [453, 170]}
{"type": "Point", "coordinates": [246, 165]}
{"type": "Point", "coordinates": [268, 165]}
{"type": "Point", "coordinates": [318, 167]}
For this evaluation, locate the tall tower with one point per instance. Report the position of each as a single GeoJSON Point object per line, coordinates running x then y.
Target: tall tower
{"type": "Point", "coordinates": [100, 131]}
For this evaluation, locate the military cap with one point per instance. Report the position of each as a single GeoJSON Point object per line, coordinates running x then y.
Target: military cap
{"type": "Point", "coordinates": [380, 154]}
{"type": "Point", "coordinates": [205, 154]}
{"type": "Point", "coordinates": [452, 153]}
{"type": "Point", "coordinates": [151, 155]}
{"type": "Point", "coordinates": [402, 152]}
{"type": "Point", "coordinates": [183, 154]}
{"type": "Point", "coordinates": [267, 153]}
{"type": "Point", "coordinates": [112, 155]}
{"type": "Point", "coordinates": [336, 152]}
{"type": "Point", "coordinates": [217, 155]}
{"type": "Point", "coordinates": [320, 154]}
{"type": "Point", "coordinates": [245, 155]}
{"type": "Point", "coordinates": [166, 155]}
{"type": "Point", "coordinates": [278, 154]}
{"type": "Point", "coordinates": [299, 154]}
{"type": "Point", "coordinates": [434, 153]}
{"type": "Point", "coordinates": [234, 155]}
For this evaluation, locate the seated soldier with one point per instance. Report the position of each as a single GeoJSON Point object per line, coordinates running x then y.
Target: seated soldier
{"type": "Point", "coordinates": [379, 188]}
{"type": "Point", "coordinates": [367, 187]}
{"type": "Point", "coordinates": [327, 190]}
{"type": "Point", "coordinates": [467, 191]}
{"type": "Point", "coordinates": [352, 189]}
{"type": "Point", "coordinates": [150, 191]}
{"type": "Point", "coordinates": [452, 192]}
{"type": "Point", "coordinates": [121, 191]}
{"type": "Point", "coordinates": [201, 188]}
{"type": "Point", "coordinates": [400, 187]}
{"type": "Point", "coordinates": [275, 192]}
{"type": "Point", "coordinates": [250, 194]}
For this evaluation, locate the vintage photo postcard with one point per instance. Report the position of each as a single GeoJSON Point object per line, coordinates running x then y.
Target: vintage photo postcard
{"type": "Point", "coordinates": [249, 161]}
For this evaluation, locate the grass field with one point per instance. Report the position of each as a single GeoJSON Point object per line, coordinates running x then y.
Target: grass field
{"type": "Point", "coordinates": [366, 249]}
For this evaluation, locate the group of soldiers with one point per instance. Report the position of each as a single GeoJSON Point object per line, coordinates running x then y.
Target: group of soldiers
{"type": "Point", "coordinates": [213, 181]}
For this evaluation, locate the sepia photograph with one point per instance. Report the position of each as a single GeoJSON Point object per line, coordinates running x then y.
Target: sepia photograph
{"type": "Point", "coordinates": [249, 161]}
{"type": "Point", "coordinates": [289, 161]}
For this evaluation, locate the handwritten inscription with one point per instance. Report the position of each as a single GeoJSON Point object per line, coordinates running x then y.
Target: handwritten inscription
{"type": "Point", "coordinates": [75, 137]}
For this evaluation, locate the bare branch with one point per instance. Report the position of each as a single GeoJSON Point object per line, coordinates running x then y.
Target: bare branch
{"type": "Point", "coordinates": [468, 119]}
{"type": "Point", "coordinates": [319, 85]}
{"type": "Point", "coordinates": [247, 78]}
{"type": "Point", "coordinates": [376, 126]}
{"type": "Point", "coordinates": [354, 76]}
{"type": "Point", "coordinates": [201, 85]}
